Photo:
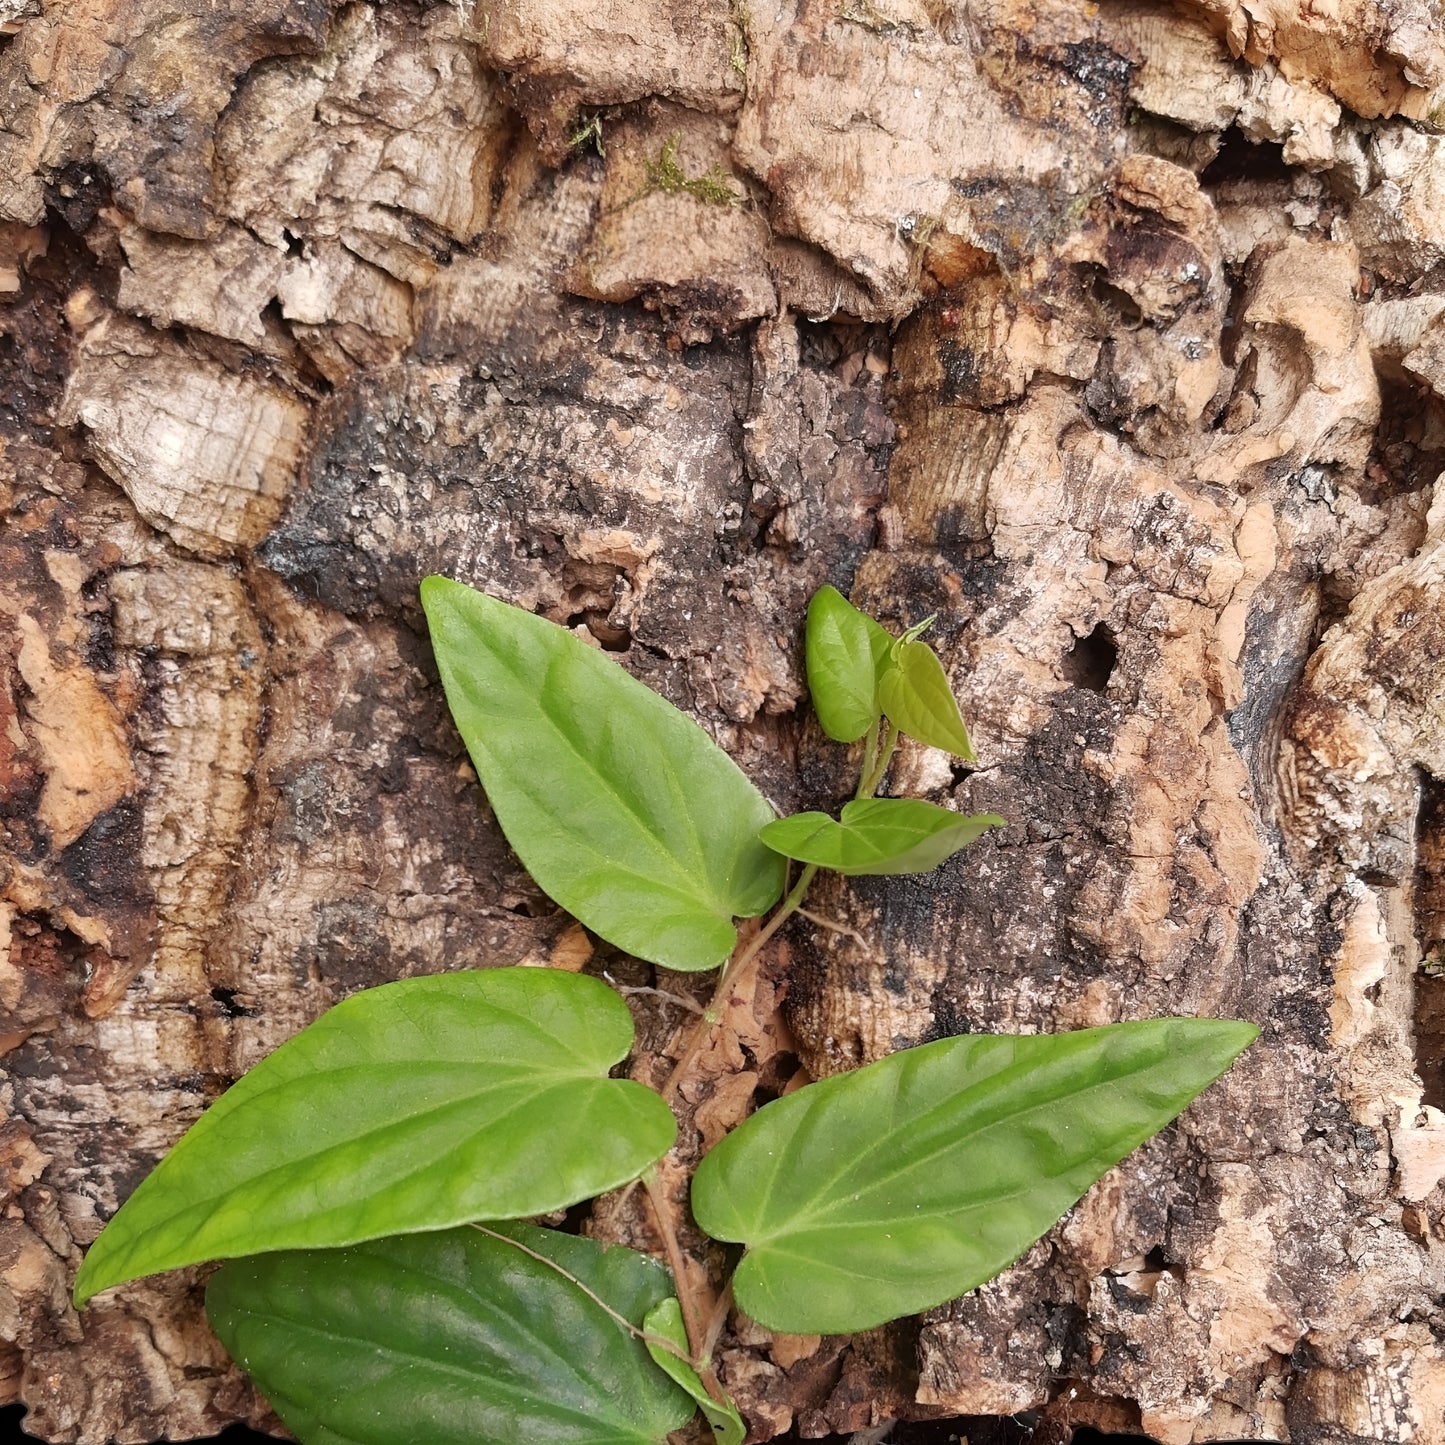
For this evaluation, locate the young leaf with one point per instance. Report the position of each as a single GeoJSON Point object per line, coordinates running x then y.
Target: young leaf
{"type": "Point", "coordinates": [878, 835]}
{"type": "Point", "coordinates": [666, 1320]}
{"type": "Point", "coordinates": [453, 1339]}
{"type": "Point", "coordinates": [916, 696]}
{"type": "Point", "coordinates": [621, 808]}
{"type": "Point", "coordinates": [845, 651]}
{"type": "Point", "coordinates": [889, 1190]}
{"type": "Point", "coordinates": [420, 1104]}
{"type": "Point", "coordinates": [918, 629]}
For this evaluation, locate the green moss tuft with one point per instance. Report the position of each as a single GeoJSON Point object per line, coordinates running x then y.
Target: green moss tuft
{"type": "Point", "coordinates": [667, 175]}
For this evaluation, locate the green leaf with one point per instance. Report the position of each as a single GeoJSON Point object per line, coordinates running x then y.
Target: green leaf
{"type": "Point", "coordinates": [622, 809]}
{"type": "Point", "coordinates": [666, 1320]}
{"type": "Point", "coordinates": [909, 1182]}
{"type": "Point", "coordinates": [878, 835]}
{"type": "Point", "coordinates": [845, 652]}
{"type": "Point", "coordinates": [918, 629]}
{"type": "Point", "coordinates": [417, 1105]}
{"type": "Point", "coordinates": [452, 1339]}
{"type": "Point", "coordinates": [916, 697]}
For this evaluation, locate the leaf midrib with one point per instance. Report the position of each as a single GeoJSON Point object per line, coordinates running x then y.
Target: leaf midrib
{"type": "Point", "coordinates": [809, 1218]}
{"type": "Point", "coordinates": [441, 1367]}
{"type": "Point", "coordinates": [407, 1121]}
{"type": "Point", "coordinates": [372, 1072]}
{"type": "Point", "coordinates": [827, 1226]}
{"type": "Point", "coordinates": [665, 768]}
{"type": "Point", "coordinates": [641, 825]}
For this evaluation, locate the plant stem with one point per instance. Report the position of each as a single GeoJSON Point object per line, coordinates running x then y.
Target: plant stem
{"type": "Point", "coordinates": [697, 1314]}
{"type": "Point", "coordinates": [645, 1336]}
{"type": "Point", "coordinates": [703, 1317]}
{"type": "Point", "coordinates": [875, 765]}
{"type": "Point", "coordinates": [719, 1319]}
{"type": "Point", "coordinates": [692, 1316]}
{"type": "Point", "coordinates": [733, 974]}
{"type": "Point", "coordinates": [870, 757]}
{"type": "Point", "coordinates": [868, 783]}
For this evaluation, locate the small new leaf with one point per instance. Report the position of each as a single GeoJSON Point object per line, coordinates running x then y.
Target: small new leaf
{"type": "Point", "coordinates": [666, 1321]}
{"type": "Point", "coordinates": [417, 1105]}
{"type": "Point", "coordinates": [916, 697]}
{"type": "Point", "coordinates": [621, 808]}
{"type": "Point", "coordinates": [889, 1190]}
{"type": "Point", "coordinates": [845, 652]}
{"type": "Point", "coordinates": [452, 1338]}
{"type": "Point", "coordinates": [878, 835]}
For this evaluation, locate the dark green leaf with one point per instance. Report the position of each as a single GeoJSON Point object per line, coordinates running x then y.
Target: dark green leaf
{"type": "Point", "coordinates": [878, 835]}
{"type": "Point", "coordinates": [666, 1320]}
{"type": "Point", "coordinates": [916, 697]}
{"type": "Point", "coordinates": [452, 1339]}
{"type": "Point", "coordinates": [622, 809]}
{"type": "Point", "coordinates": [845, 652]}
{"type": "Point", "coordinates": [907, 1183]}
{"type": "Point", "coordinates": [416, 1105]}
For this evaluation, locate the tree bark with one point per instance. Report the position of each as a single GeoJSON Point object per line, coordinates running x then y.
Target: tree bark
{"type": "Point", "coordinates": [1111, 335]}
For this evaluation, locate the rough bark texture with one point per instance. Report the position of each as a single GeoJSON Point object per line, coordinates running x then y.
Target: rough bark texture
{"type": "Point", "coordinates": [1111, 334]}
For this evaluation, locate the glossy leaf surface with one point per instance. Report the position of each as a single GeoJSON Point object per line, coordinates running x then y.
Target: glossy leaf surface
{"type": "Point", "coordinates": [621, 808]}
{"type": "Point", "coordinates": [417, 1105]}
{"type": "Point", "coordinates": [845, 650]}
{"type": "Point", "coordinates": [909, 1182]}
{"type": "Point", "coordinates": [452, 1338]}
{"type": "Point", "coordinates": [666, 1320]}
{"type": "Point", "coordinates": [916, 696]}
{"type": "Point", "coordinates": [878, 835]}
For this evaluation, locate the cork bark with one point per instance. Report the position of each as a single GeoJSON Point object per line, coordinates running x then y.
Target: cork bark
{"type": "Point", "coordinates": [1110, 334]}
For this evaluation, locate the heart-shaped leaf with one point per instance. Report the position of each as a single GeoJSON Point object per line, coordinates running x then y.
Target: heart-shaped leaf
{"type": "Point", "coordinates": [845, 652]}
{"type": "Point", "coordinates": [454, 1338]}
{"type": "Point", "coordinates": [622, 809]}
{"type": "Point", "coordinates": [878, 835]}
{"type": "Point", "coordinates": [908, 1182]}
{"type": "Point", "coordinates": [916, 697]}
{"type": "Point", "coordinates": [666, 1321]}
{"type": "Point", "coordinates": [420, 1104]}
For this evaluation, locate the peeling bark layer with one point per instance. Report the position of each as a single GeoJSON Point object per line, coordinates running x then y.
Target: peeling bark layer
{"type": "Point", "coordinates": [1110, 335]}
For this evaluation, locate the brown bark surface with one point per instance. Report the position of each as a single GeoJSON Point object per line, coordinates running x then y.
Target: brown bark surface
{"type": "Point", "coordinates": [1112, 334]}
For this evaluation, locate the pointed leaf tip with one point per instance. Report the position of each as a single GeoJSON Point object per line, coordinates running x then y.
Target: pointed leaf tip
{"type": "Point", "coordinates": [917, 698]}
{"type": "Point", "coordinates": [844, 652]}
{"type": "Point", "coordinates": [622, 808]}
{"type": "Point", "coordinates": [412, 1106]}
{"type": "Point", "coordinates": [917, 1178]}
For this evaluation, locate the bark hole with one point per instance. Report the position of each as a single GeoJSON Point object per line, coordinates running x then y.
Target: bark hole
{"type": "Point", "coordinates": [1116, 303]}
{"type": "Point", "coordinates": [612, 638]}
{"type": "Point", "coordinates": [77, 195]}
{"type": "Point", "coordinates": [1430, 930]}
{"type": "Point", "coordinates": [230, 1004]}
{"type": "Point", "coordinates": [1090, 663]}
{"type": "Point", "coordinates": [593, 590]}
{"type": "Point", "coordinates": [1241, 158]}
{"type": "Point", "coordinates": [1407, 455]}
{"type": "Point", "coordinates": [1430, 1038]}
